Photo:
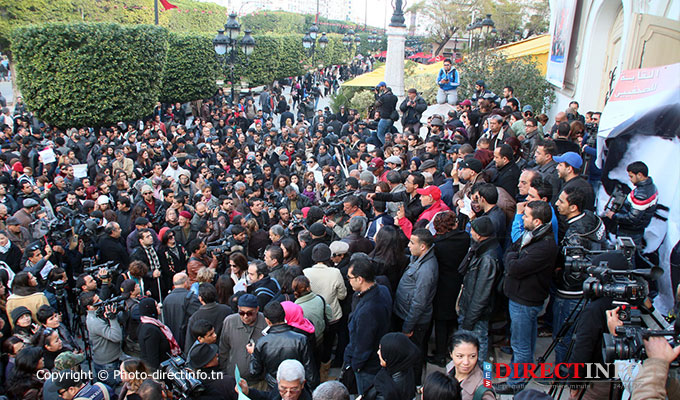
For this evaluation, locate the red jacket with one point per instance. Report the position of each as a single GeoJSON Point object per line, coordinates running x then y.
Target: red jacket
{"type": "Point", "coordinates": [428, 214]}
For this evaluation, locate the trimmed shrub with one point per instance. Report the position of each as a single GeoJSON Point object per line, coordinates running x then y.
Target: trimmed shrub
{"type": "Point", "coordinates": [90, 74]}
{"type": "Point", "coordinates": [190, 69]}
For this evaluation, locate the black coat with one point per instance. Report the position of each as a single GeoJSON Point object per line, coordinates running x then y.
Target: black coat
{"type": "Point", "coordinates": [507, 177]}
{"type": "Point", "coordinates": [171, 264]}
{"type": "Point", "coordinates": [280, 344]}
{"type": "Point", "coordinates": [450, 249]}
{"type": "Point", "coordinates": [529, 269]}
{"type": "Point", "coordinates": [306, 253]}
{"type": "Point", "coordinates": [154, 345]}
{"type": "Point", "coordinates": [368, 323]}
{"type": "Point", "coordinates": [111, 249]}
{"type": "Point", "coordinates": [178, 307]}
{"type": "Point", "coordinates": [480, 269]}
{"type": "Point", "coordinates": [12, 258]}
{"type": "Point", "coordinates": [215, 313]}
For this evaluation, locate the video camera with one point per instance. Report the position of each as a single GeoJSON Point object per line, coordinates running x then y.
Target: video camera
{"type": "Point", "coordinates": [118, 302]}
{"type": "Point", "coordinates": [629, 285]}
{"type": "Point", "coordinates": [628, 343]}
{"type": "Point", "coordinates": [617, 198]}
{"type": "Point", "coordinates": [110, 267]}
{"type": "Point", "coordinates": [182, 382]}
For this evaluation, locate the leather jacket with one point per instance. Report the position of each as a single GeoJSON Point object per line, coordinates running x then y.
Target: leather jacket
{"type": "Point", "coordinates": [585, 230]}
{"type": "Point", "coordinates": [280, 344]}
{"type": "Point", "coordinates": [481, 269]}
{"type": "Point", "coordinates": [638, 210]}
{"type": "Point", "coordinates": [416, 290]}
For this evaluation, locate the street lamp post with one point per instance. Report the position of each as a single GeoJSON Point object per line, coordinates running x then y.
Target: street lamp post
{"type": "Point", "coordinates": [487, 25]}
{"type": "Point", "coordinates": [309, 43]}
{"type": "Point", "coordinates": [226, 46]}
{"type": "Point", "coordinates": [351, 42]}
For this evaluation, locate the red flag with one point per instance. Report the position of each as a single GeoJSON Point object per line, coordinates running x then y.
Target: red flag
{"type": "Point", "coordinates": [167, 5]}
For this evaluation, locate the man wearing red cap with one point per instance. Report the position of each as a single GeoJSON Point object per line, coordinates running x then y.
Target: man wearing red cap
{"type": "Point", "coordinates": [377, 167]}
{"type": "Point", "coordinates": [430, 197]}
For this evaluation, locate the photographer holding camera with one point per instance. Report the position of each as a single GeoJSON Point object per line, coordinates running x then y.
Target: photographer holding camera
{"type": "Point", "coordinates": [106, 337]}
{"type": "Point", "coordinates": [637, 212]}
{"type": "Point", "coordinates": [653, 380]}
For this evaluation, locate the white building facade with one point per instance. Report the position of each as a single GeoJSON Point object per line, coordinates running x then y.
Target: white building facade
{"type": "Point", "coordinates": [610, 36]}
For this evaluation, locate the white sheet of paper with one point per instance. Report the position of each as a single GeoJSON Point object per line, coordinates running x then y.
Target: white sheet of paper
{"type": "Point", "coordinates": [80, 170]}
{"type": "Point", "coordinates": [47, 156]}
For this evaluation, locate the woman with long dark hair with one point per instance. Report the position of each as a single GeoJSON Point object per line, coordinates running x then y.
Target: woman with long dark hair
{"type": "Point", "coordinates": [172, 256]}
{"type": "Point", "coordinates": [24, 383]}
{"type": "Point", "coordinates": [25, 293]}
{"type": "Point", "coordinates": [464, 367]}
{"type": "Point", "coordinates": [238, 265]}
{"type": "Point", "coordinates": [225, 289]}
{"type": "Point", "coordinates": [291, 251]}
{"type": "Point", "coordinates": [451, 246]}
{"type": "Point", "coordinates": [388, 255]}
{"type": "Point", "coordinates": [132, 373]}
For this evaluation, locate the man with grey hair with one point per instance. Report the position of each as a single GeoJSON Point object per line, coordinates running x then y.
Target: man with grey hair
{"type": "Point", "coordinates": [239, 197]}
{"type": "Point", "coordinates": [276, 233]}
{"type": "Point", "coordinates": [356, 240]}
{"type": "Point", "coordinates": [290, 380]}
{"type": "Point", "coordinates": [497, 132]}
{"type": "Point", "coordinates": [331, 390]}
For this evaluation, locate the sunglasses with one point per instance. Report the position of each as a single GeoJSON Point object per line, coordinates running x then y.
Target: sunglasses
{"type": "Point", "coordinates": [248, 313]}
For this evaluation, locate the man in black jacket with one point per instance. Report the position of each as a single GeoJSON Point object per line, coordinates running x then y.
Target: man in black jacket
{"type": "Point", "coordinates": [583, 229]}
{"type": "Point", "coordinates": [216, 384]}
{"type": "Point", "coordinates": [318, 234]}
{"type": "Point", "coordinates": [480, 269]}
{"type": "Point", "coordinates": [508, 173]}
{"type": "Point", "coordinates": [386, 103]}
{"type": "Point", "coordinates": [412, 108]}
{"type": "Point", "coordinates": [280, 344]}
{"type": "Point", "coordinates": [111, 247]}
{"type": "Point", "coordinates": [529, 266]}
{"type": "Point", "coordinates": [410, 198]}
{"type": "Point", "coordinates": [261, 284]}
{"type": "Point", "coordinates": [569, 170]}
{"type": "Point", "coordinates": [179, 306]}
{"type": "Point", "coordinates": [640, 205]}
{"type": "Point", "coordinates": [210, 310]}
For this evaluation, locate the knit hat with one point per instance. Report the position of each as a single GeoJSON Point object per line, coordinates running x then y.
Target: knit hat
{"type": "Point", "coordinates": [201, 354]}
{"type": "Point", "coordinates": [321, 253]}
{"type": "Point", "coordinates": [19, 312]}
{"type": "Point", "coordinates": [162, 232]}
{"type": "Point", "coordinates": [248, 300]}
{"type": "Point", "coordinates": [483, 226]}
{"type": "Point", "coordinates": [17, 167]}
{"type": "Point", "coordinates": [317, 229]}
{"type": "Point", "coordinates": [147, 308]}
{"type": "Point", "coordinates": [185, 214]}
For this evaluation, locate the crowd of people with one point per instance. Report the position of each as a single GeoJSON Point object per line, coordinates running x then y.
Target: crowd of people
{"type": "Point", "coordinates": [278, 244]}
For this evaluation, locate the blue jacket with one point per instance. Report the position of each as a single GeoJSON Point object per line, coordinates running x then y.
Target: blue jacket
{"type": "Point", "coordinates": [452, 76]}
{"type": "Point", "coordinates": [518, 226]}
{"type": "Point", "coordinates": [368, 323]}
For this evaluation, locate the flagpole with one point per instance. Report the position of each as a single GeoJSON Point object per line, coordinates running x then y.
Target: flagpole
{"type": "Point", "coordinates": [155, 10]}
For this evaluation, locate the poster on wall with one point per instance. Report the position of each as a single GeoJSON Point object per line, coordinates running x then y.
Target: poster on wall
{"type": "Point", "coordinates": [561, 26]}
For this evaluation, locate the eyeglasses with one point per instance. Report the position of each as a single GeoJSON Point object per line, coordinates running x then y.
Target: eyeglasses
{"type": "Point", "coordinates": [145, 193]}
{"type": "Point", "coordinates": [283, 390]}
{"type": "Point", "coordinates": [350, 277]}
{"type": "Point", "coordinates": [248, 313]}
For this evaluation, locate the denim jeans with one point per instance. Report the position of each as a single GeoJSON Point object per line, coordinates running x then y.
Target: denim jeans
{"type": "Point", "coordinates": [524, 328]}
{"type": "Point", "coordinates": [481, 330]}
{"type": "Point", "coordinates": [107, 373]}
{"type": "Point", "coordinates": [562, 308]}
{"type": "Point", "coordinates": [384, 126]}
{"type": "Point", "coordinates": [364, 381]}
{"type": "Point", "coordinates": [447, 96]}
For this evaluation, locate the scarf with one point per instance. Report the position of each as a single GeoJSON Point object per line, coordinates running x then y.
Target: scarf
{"type": "Point", "coordinates": [175, 350]}
{"type": "Point", "coordinates": [153, 257]}
{"type": "Point", "coordinates": [5, 249]}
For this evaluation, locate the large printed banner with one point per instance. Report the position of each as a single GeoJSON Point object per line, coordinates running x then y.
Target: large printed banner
{"type": "Point", "coordinates": [561, 25]}
{"type": "Point", "coordinates": [641, 122]}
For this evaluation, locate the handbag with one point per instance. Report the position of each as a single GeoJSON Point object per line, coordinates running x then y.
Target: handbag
{"type": "Point", "coordinates": [348, 379]}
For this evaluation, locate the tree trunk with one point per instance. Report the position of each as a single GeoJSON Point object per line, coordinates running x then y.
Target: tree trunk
{"type": "Point", "coordinates": [441, 45]}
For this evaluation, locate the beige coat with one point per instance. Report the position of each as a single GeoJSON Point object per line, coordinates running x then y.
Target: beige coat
{"type": "Point", "coordinates": [328, 283]}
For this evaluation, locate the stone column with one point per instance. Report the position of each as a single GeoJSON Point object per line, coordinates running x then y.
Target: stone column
{"type": "Point", "coordinates": [394, 65]}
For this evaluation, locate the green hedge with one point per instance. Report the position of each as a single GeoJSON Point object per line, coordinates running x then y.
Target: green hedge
{"type": "Point", "coordinates": [190, 69]}
{"type": "Point", "coordinates": [89, 74]}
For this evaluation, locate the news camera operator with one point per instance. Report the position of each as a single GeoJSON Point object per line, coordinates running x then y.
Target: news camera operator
{"type": "Point", "coordinates": [351, 208]}
{"type": "Point", "coordinates": [586, 230]}
{"type": "Point", "coordinates": [87, 283]}
{"type": "Point", "coordinates": [640, 205]}
{"type": "Point", "coordinates": [111, 246]}
{"type": "Point", "coordinates": [653, 381]}
{"type": "Point", "coordinates": [106, 336]}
